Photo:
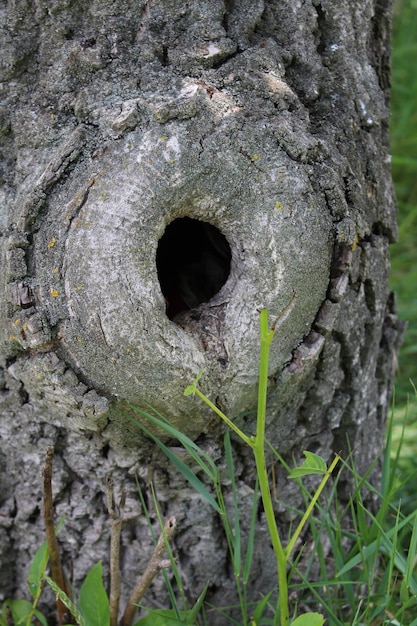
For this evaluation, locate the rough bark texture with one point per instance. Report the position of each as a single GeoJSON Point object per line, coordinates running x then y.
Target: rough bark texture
{"type": "Point", "coordinates": [265, 118]}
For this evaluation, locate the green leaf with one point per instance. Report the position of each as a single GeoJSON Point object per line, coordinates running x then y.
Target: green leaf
{"type": "Point", "coordinates": [20, 610]}
{"type": "Point", "coordinates": [93, 600]}
{"type": "Point", "coordinates": [309, 619]}
{"type": "Point", "coordinates": [38, 565]}
{"type": "Point", "coordinates": [313, 464]}
{"type": "Point", "coordinates": [37, 569]}
{"type": "Point", "coordinates": [162, 618]}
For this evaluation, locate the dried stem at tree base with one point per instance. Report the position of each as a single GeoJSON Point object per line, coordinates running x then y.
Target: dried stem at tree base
{"type": "Point", "coordinates": [116, 527]}
{"type": "Point", "coordinates": [153, 567]}
{"type": "Point", "coordinates": [57, 573]}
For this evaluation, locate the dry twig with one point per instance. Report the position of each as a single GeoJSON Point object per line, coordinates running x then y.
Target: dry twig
{"type": "Point", "coordinates": [57, 573]}
{"type": "Point", "coordinates": [153, 567]}
{"type": "Point", "coordinates": [116, 513]}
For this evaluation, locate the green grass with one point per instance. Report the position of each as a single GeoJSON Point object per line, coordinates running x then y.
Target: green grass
{"type": "Point", "coordinates": [404, 157]}
{"type": "Point", "coordinates": [358, 568]}
{"type": "Point", "coordinates": [366, 556]}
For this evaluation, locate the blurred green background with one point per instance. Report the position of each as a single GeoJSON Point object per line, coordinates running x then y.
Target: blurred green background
{"type": "Point", "coordinates": [404, 162]}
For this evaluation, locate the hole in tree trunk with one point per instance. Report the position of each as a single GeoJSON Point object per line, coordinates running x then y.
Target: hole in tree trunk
{"type": "Point", "coordinates": [193, 262]}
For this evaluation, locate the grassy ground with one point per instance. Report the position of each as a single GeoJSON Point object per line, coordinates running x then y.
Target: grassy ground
{"type": "Point", "coordinates": [404, 152]}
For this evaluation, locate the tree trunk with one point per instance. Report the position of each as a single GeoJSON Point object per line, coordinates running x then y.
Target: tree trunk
{"type": "Point", "coordinates": [257, 132]}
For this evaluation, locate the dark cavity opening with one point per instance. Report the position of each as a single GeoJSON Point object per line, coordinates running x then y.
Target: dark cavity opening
{"type": "Point", "coordinates": [193, 262]}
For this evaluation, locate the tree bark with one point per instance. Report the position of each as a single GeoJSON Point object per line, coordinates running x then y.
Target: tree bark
{"type": "Point", "coordinates": [267, 120]}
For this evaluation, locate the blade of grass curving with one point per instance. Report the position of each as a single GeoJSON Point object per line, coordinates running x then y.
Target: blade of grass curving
{"type": "Point", "coordinates": [231, 546]}
{"type": "Point", "coordinates": [361, 482]}
{"type": "Point", "coordinates": [193, 613]}
{"type": "Point", "coordinates": [357, 618]}
{"type": "Point", "coordinates": [411, 555]}
{"type": "Point", "coordinates": [192, 448]}
{"type": "Point", "coordinates": [388, 472]}
{"type": "Point", "coordinates": [358, 512]}
{"type": "Point", "coordinates": [391, 561]}
{"type": "Point", "coordinates": [337, 535]}
{"type": "Point", "coordinates": [316, 590]}
{"type": "Point", "coordinates": [386, 547]}
{"type": "Point", "coordinates": [236, 551]}
{"type": "Point", "coordinates": [360, 541]}
{"type": "Point", "coordinates": [195, 451]}
{"type": "Point", "coordinates": [188, 474]}
{"type": "Point", "coordinates": [319, 529]}
{"type": "Point", "coordinates": [385, 587]}
{"type": "Point", "coordinates": [403, 612]}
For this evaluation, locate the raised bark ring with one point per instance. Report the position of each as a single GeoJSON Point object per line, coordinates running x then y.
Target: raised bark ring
{"type": "Point", "coordinates": [116, 330]}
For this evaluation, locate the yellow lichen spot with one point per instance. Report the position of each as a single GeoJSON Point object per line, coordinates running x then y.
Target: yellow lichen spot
{"type": "Point", "coordinates": [25, 326]}
{"type": "Point", "coordinates": [79, 287]}
{"type": "Point", "coordinates": [16, 323]}
{"type": "Point", "coordinates": [127, 350]}
{"type": "Point", "coordinates": [54, 293]}
{"type": "Point", "coordinates": [55, 270]}
{"type": "Point", "coordinates": [164, 138]}
{"type": "Point", "coordinates": [355, 243]}
{"type": "Point", "coordinates": [311, 207]}
{"type": "Point", "coordinates": [172, 161]}
{"type": "Point", "coordinates": [13, 338]}
{"type": "Point", "coordinates": [52, 242]}
{"type": "Point", "coordinates": [255, 157]}
{"type": "Point", "coordinates": [279, 206]}
{"type": "Point", "coordinates": [79, 340]}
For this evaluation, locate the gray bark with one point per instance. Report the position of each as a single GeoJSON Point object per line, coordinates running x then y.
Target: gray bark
{"type": "Point", "coordinates": [266, 119]}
